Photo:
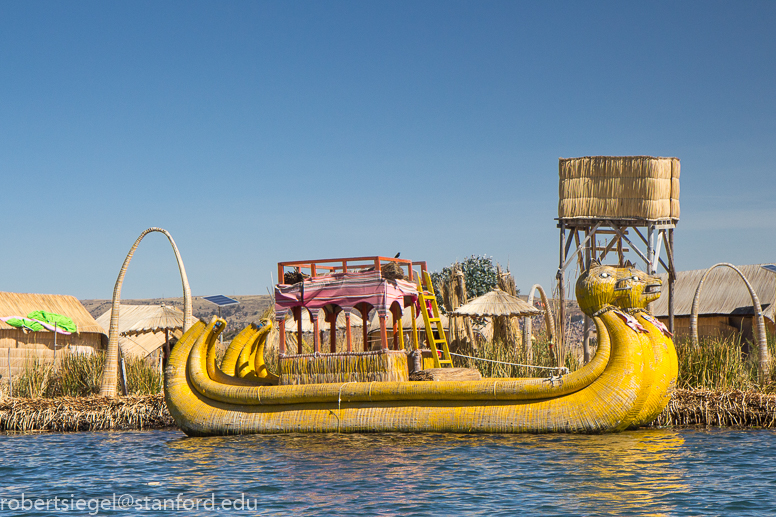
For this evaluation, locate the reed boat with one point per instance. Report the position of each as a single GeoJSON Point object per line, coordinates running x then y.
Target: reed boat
{"type": "Point", "coordinates": [627, 384]}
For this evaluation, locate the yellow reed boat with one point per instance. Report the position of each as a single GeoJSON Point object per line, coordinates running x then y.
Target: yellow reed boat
{"type": "Point", "coordinates": [627, 384]}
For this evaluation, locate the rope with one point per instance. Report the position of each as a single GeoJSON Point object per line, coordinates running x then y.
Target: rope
{"type": "Point", "coordinates": [339, 404]}
{"type": "Point", "coordinates": [562, 369]}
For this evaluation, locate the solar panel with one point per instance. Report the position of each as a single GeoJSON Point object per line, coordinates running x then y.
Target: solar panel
{"type": "Point", "coordinates": [770, 267]}
{"type": "Point", "coordinates": [220, 300]}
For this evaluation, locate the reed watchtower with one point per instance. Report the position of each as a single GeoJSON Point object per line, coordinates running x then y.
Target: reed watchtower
{"type": "Point", "coordinates": [619, 200]}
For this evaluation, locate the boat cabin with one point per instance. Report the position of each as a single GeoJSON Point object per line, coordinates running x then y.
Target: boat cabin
{"type": "Point", "coordinates": [332, 286]}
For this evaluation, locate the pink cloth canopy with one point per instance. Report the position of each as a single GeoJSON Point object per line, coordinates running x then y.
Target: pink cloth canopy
{"type": "Point", "coordinates": [345, 290]}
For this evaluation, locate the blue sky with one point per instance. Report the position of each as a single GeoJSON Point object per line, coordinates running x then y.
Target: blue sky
{"type": "Point", "coordinates": [257, 132]}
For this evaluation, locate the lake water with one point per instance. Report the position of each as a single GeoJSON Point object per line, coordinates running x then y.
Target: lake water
{"type": "Point", "coordinates": [649, 472]}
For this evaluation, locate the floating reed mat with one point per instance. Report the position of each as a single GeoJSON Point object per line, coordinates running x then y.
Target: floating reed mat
{"type": "Point", "coordinates": [84, 413]}
{"type": "Point", "coordinates": [619, 187]}
{"type": "Point", "coordinates": [719, 408]}
{"type": "Point", "coordinates": [380, 366]}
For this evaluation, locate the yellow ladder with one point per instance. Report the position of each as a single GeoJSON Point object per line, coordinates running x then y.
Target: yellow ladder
{"type": "Point", "coordinates": [427, 297]}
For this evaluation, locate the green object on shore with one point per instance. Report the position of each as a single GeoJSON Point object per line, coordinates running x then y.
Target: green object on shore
{"type": "Point", "coordinates": [60, 321]}
{"type": "Point", "coordinates": [26, 324]}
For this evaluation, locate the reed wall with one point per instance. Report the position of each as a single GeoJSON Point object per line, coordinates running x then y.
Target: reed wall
{"type": "Point", "coordinates": [23, 345]}
{"type": "Point", "coordinates": [379, 366]}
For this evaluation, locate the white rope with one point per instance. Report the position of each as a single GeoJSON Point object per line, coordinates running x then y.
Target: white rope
{"type": "Point", "coordinates": [561, 369]}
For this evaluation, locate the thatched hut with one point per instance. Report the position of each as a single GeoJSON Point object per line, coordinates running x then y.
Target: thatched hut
{"type": "Point", "coordinates": [144, 329]}
{"type": "Point", "coordinates": [725, 305]}
{"type": "Point", "coordinates": [18, 345]}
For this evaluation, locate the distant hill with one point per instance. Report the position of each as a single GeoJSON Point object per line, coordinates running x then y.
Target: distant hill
{"type": "Point", "coordinates": [248, 311]}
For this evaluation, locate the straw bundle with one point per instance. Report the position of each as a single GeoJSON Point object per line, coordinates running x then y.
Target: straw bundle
{"type": "Point", "coordinates": [293, 277]}
{"type": "Point", "coordinates": [84, 413]}
{"type": "Point", "coordinates": [616, 187]}
{"type": "Point", "coordinates": [392, 271]}
{"type": "Point", "coordinates": [719, 408]}
{"type": "Point", "coordinates": [381, 366]}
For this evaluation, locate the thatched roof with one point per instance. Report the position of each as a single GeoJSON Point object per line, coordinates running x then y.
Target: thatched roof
{"type": "Point", "coordinates": [619, 187]}
{"type": "Point", "coordinates": [143, 345]}
{"type": "Point", "coordinates": [307, 323]}
{"type": "Point", "coordinates": [497, 303]}
{"type": "Point", "coordinates": [723, 292]}
{"type": "Point", "coordinates": [141, 319]}
{"type": "Point", "coordinates": [21, 304]}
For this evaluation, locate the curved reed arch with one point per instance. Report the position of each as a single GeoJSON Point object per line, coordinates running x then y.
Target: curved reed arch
{"type": "Point", "coordinates": [548, 321]}
{"type": "Point", "coordinates": [762, 344]}
{"type": "Point", "coordinates": [110, 370]}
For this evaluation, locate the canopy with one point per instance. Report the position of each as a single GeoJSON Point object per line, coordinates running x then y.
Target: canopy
{"type": "Point", "coordinates": [345, 290]}
{"type": "Point", "coordinates": [497, 303]}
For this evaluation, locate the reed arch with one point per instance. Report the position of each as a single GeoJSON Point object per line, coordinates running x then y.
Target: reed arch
{"type": "Point", "coordinates": [762, 344]}
{"type": "Point", "coordinates": [110, 370]}
{"type": "Point", "coordinates": [548, 321]}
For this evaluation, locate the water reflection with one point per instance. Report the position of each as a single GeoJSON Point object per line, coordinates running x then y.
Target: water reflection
{"type": "Point", "coordinates": [632, 472]}
{"type": "Point", "coordinates": [651, 472]}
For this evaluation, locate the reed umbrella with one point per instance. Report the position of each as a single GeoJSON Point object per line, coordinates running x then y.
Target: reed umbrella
{"type": "Point", "coordinates": [497, 303]}
{"type": "Point", "coordinates": [500, 306]}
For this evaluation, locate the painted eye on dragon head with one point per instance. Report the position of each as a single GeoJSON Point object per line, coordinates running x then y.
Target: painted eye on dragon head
{"type": "Point", "coordinates": [605, 275]}
{"type": "Point", "coordinates": [635, 277]}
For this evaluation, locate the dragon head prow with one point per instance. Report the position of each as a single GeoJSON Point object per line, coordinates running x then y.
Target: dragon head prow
{"type": "Point", "coordinates": [638, 288]}
{"type": "Point", "coordinates": [620, 286]}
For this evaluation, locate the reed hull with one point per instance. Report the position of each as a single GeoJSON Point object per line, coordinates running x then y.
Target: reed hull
{"type": "Point", "coordinates": [606, 395]}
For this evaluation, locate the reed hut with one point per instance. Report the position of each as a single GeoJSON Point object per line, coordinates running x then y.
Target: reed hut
{"type": "Point", "coordinates": [17, 345]}
{"type": "Point", "coordinates": [145, 331]}
{"type": "Point", "coordinates": [725, 305]}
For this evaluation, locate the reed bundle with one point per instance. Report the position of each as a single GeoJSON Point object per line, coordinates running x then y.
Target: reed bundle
{"type": "Point", "coordinates": [293, 277]}
{"type": "Point", "coordinates": [392, 271]}
{"type": "Point", "coordinates": [84, 413]}
{"type": "Point", "coordinates": [380, 366]}
{"type": "Point", "coordinates": [734, 408]}
{"type": "Point", "coordinates": [619, 187]}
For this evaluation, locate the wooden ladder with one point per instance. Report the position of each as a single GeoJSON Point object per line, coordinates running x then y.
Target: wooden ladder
{"type": "Point", "coordinates": [426, 298]}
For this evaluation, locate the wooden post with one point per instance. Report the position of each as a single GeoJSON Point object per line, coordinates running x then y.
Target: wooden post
{"type": "Point", "coordinates": [671, 280]}
{"type": "Point", "coordinates": [10, 375]}
{"type": "Point", "coordinates": [561, 290]}
{"type": "Point", "coordinates": [299, 339]}
{"type": "Point", "coordinates": [383, 333]}
{"type": "Point", "coordinates": [316, 336]}
{"type": "Point", "coordinates": [586, 331]}
{"type": "Point", "coordinates": [333, 334]}
{"type": "Point", "coordinates": [348, 336]}
{"type": "Point", "coordinates": [282, 336]}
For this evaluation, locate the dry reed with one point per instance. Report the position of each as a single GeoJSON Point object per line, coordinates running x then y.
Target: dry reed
{"type": "Point", "coordinates": [84, 413]}
{"type": "Point", "coordinates": [79, 375]}
{"type": "Point", "coordinates": [734, 408]}
{"type": "Point", "coordinates": [504, 353]}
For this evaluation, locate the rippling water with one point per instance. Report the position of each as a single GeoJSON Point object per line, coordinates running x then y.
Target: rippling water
{"type": "Point", "coordinates": [650, 472]}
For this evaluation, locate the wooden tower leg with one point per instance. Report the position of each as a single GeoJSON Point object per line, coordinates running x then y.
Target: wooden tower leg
{"type": "Point", "coordinates": [561, 291]}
